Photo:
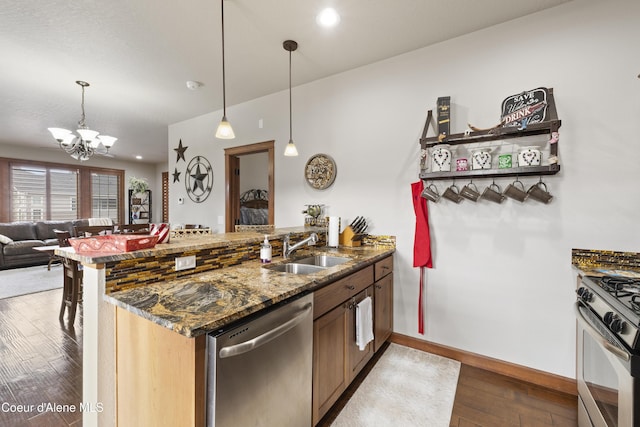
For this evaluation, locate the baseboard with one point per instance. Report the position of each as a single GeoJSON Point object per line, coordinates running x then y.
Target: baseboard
{"type": "Point", "coordinates": [530, 375]}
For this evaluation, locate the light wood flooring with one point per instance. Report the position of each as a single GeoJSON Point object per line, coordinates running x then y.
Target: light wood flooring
{"type": "Point", "coordinates": [41, 362]}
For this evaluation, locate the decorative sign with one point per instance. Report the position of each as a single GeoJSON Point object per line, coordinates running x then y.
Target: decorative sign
{"type": "Point", "coordinates": [320, 171]}
{"type": "Point", "coordinates": [199, 179]}
{"type": "Point", "coordinates": [525, 108]}
{"type": "Point", "coordinates": [444, 117]}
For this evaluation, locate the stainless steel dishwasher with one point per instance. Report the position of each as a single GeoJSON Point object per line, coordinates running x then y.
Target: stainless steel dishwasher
{"type": "Point", "coordinates": [259, 372]}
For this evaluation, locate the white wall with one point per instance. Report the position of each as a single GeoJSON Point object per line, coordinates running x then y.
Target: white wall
{"type": "Point", "coordinates": [56, 155]}
{"type": "Point", "coordinates": [502, 284]}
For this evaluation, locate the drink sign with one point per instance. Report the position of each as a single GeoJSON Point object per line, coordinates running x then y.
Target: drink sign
{"type": "Point", "coordinates": [525, 108]}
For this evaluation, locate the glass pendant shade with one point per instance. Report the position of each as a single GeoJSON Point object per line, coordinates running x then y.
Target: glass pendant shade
{"type": "Point", "coordinates": [107, 140]}
{"type": "Point", "coordinates": [59, 134]}
{"type": "Point", "coordinates": [87, 134]}
{"type": "Point", "coordinates": [291, 150]}
{"type": "Point", "coordinates": [225, 131]}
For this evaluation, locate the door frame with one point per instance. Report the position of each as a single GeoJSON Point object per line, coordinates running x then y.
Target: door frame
{"type": "Point", "coordinates": [232, 180]}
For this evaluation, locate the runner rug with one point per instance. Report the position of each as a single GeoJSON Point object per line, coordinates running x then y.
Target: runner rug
{"type": "Point", "coordinates": [406, 387]}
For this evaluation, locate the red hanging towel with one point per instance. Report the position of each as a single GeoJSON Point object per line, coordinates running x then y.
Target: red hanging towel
{"type": "Point", "coordinates": [421, 243]}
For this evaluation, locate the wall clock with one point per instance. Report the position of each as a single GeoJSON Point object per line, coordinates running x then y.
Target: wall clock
{"type": "Point", "coordinates": [198, 179]}
{"type": "Point", "coordinates": [320, 171]}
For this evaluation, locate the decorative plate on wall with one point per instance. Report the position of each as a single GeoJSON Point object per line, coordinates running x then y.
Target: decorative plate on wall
{"type": "Point", "coordinates": [199, 179]}
{"type": "Point", "coordinates": [320, 171]}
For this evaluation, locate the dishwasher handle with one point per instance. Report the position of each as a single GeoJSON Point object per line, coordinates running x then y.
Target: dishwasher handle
{"type": "Point", "coordinates": [270, 335]}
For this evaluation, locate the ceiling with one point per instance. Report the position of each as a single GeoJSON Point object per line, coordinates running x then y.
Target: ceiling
{"type": "Point", "coordinates": [138, 54]}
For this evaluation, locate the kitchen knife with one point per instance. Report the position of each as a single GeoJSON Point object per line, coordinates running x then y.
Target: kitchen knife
{"type": "Point", "coordinates": [353, 223]}
{"type": "Point", "coordinates": [361, 226]}
{"type": "Point", "coordinates": [357, 224]}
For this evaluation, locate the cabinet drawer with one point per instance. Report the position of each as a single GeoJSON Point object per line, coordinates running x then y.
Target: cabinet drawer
{"type": "Point", "coordinates": [383, 267]}
{"type": "Point", "coordinates": [341, 290]}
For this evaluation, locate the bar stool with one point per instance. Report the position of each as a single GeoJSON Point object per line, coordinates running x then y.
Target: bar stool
{"type": "Point", "coordinates": [72, 280]}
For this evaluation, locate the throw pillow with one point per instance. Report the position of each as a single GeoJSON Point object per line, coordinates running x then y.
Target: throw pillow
{"type": "Point", "coordinates": [5, 240]}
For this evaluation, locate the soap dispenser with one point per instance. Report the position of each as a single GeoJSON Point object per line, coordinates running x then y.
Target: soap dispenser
{"type": "Point", "coordinates": [265, 251]}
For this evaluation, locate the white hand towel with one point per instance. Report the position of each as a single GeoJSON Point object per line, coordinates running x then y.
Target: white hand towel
{"type": "Point", "coordinates": [364, 323]}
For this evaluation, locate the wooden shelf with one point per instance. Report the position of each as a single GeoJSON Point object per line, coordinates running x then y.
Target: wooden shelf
{"type": "Point", "coordinates": [492, 173]}
{"type": "Point", "coordinates": [494, 134]}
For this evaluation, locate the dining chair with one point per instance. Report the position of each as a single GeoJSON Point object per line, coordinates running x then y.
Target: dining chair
{"type": "Point", "coordinates": [72, 280]}
{"type": "Point", "coordinates": [135, 228]}
{"type": "Point", "coordinates": [91, 230]}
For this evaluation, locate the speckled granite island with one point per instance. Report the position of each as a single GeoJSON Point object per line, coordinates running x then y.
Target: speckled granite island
{"type": "Point", "coordinates": [138, 297]}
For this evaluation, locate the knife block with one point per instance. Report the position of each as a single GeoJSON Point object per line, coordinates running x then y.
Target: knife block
{"type": "Point", "coordinates": [347, 236]}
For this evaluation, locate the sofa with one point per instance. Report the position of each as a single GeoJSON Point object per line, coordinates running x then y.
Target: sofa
{"type": "Point", "coordinates": [17, 240]}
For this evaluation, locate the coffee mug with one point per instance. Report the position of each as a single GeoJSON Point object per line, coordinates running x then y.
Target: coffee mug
{"type": "Point", "coordinates": [470, 191]}
{"type": "Point", "coordinates": [493, 193]}
{"type": "Point", "coordinates": [481, 159]}
{"type": "Point", "coordinates": [431, 193]}
{"type": "Point", "coordinates": [441, 159]}
{"type": "Point", "coordinates": [516, 193]}
{"type": "Point", "coordinates": [539, 192]}
{"type": "Point", "coordinates": [529, 156]}
{"type": "Point", "coordinates": [452, 193]}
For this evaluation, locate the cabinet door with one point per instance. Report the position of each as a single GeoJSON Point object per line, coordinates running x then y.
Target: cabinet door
{"type": "Point", "coordinates": [357, 358]}
{"type": "Point", "coordinates": [383, 310]}
{"type": "Point", "coordinates": [329, 360]}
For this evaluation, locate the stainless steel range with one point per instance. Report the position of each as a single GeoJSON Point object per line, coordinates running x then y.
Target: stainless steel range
{"type": "Point", "coordinates": [608, 362]}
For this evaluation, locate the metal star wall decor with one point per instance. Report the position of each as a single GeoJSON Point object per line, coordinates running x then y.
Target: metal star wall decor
{"type": "Point", "coordinates": [176, 175]}
{"type": "Point", "coordinates": [180, 150]}
{"type": "Point", "coordinates": [199, 179]}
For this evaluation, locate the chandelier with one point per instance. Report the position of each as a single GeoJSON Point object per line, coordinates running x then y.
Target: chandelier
{"type": "Point", "coordinates": [88, 142]}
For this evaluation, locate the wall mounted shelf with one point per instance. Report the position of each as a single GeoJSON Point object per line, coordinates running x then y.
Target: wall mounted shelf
{"type": "Point", "coordinates": [502, 136]}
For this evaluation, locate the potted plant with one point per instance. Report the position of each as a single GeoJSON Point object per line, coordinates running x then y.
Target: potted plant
{"type": "Point", "coordinates": [138, 185]}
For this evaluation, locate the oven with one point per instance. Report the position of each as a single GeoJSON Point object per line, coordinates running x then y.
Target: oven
{"type": "Point", "coordinates": [607, 361]}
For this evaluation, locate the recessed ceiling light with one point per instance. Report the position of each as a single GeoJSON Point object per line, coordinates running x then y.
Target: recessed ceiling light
{"type": "Point", "coordinates": [328, 17]}
{"type": "Point", "coordinates": [139, 157]}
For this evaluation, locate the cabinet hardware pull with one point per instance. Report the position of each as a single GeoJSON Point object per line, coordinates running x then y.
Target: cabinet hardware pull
{"type": "Point", "coordinates": [378, 287]}
{"type": "Point", "coordinates": [351, 287]}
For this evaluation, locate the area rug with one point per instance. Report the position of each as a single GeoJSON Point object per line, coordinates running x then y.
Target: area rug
{"type": "Point", "coordinates": [27, 280]}
{"type": "Point", "coordinates": [406, 387]}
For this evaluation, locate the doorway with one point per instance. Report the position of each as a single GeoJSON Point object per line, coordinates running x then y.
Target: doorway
{"type": "Point", "coordinates": [232, 180]}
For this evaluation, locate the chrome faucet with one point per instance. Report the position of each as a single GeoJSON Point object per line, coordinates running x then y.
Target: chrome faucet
{"type": "Point", "coordinates": [287, 250]}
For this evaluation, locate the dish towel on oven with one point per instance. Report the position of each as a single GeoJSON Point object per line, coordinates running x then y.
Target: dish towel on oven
{"type": "Point", "coordinates": [364, 323]}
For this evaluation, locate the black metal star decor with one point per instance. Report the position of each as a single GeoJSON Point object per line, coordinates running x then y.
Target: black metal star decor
{"type": "Point", "coordinates": [180, 150]}
{"type": "Point", "coordinates": [199, 179]}
{"type": "Point", "coordinates": [176, 175]}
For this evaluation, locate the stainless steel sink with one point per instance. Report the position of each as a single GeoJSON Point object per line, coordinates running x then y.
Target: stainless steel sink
{"type": "Point", "coordinates": [295, 268]}
{"type": "Point", "coordinates": [322, 260]}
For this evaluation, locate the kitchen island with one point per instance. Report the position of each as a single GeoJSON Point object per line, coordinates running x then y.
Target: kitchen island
{"type": "Point", "coordinates": [228, 284]}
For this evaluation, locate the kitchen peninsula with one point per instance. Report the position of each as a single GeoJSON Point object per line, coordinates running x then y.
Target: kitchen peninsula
{"type": "Point", "coordinates": [141, 293]}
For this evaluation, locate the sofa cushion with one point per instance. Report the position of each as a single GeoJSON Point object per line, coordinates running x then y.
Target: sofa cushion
{"type": "Point", "coordinates": [19, 230]}
{"type": "Point", "coordinates": [44, 230]}
{"type": "Point", "coordinates": [22, 247]}
{"type": "Point", "coordinates": [4, 239]}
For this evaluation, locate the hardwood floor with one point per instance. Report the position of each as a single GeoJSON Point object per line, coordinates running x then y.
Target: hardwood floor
{"type": "Point", "coordinates": [41, 362]}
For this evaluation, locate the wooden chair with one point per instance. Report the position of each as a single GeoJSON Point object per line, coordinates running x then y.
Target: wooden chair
{"type": "Point", "coordinates": [135, 228]}
{"type": "Point", "coordinates": [91, 230]}
{"type": "Point", "coordinates": [72, 280]}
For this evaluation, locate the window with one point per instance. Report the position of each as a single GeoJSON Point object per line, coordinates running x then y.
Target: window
{"type": "Point", "coordinates": [39, 191]}
{"type": "Point", "coordinates": [104, 196]}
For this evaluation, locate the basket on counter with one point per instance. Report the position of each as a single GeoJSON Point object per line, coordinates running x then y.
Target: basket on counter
{"type": "Point", "coordinates": [112, 243]}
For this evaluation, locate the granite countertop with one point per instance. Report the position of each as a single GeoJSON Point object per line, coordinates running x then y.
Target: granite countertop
{"type": "Point", "coordinates": [189, 243]}
{"type": "Point", "coordinates": [201, 303]}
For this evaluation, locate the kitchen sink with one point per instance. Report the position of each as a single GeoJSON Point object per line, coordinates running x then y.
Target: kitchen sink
{"type": "Point", "coordinates": [295, 268]}
{"type": "Point", "coordinates": [322, 260]}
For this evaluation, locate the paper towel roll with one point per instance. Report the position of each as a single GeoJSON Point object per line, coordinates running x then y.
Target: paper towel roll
{"type": "Point", "coordinates": [334, 231]}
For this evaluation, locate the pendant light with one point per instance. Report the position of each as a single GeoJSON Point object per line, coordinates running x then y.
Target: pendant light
{"type": "Point", "coordinates": [290, 46]}
{"type": "Point", "coordinates": [225, 131]}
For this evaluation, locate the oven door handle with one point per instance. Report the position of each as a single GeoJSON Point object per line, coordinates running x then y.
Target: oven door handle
{"type": "Point", "coordinates": [621, 354]}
